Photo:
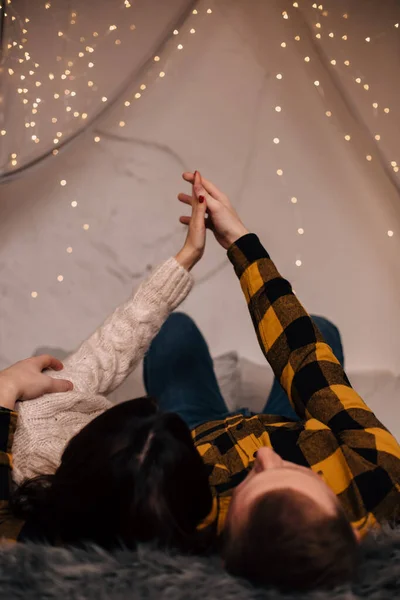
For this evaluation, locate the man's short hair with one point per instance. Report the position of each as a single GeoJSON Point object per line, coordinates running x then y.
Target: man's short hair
{"type": "Point", "coordinates": [288, 541]}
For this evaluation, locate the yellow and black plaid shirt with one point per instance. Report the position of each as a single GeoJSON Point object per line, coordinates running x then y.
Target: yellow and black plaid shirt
{"type": "Point", "coordinates": [338, 436]}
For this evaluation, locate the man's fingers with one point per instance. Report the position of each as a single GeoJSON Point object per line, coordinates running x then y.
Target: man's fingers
{"type": "Point", "coordinates": [58, 386]}
{"type": "Point", "coordinates": [186, 221]}
{"type": "Point", "coordinates": [185, 198]}
{"type": "Point", "coordinates": [45, 361]}
{"type": "Point", "coordinates": [208, 186]}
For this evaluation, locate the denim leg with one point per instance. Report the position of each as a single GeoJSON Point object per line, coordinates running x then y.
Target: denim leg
{"type": "Point", "coordinates": [179, 372]}
{"type": "Point", "coordinates": [278, 402]}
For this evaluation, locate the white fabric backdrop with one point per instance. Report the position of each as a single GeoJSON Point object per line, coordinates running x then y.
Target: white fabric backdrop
{"type": "Point", "coordinates": [215, 111]}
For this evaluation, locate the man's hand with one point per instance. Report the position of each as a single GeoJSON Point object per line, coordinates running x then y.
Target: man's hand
{"type": "Point", "coordinates": [222, 219]}
{"type": "Point", "coordinates": [195, 243]}
{"type": "Point", "coordinates": [25, 380]}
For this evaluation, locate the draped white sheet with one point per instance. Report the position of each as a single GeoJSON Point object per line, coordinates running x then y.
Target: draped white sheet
{"type": "Point", "coordinates": [215, 110]}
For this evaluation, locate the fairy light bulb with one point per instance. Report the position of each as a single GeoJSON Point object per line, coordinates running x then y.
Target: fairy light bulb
{"type": "Point", "coordinates": [278, 108]}
{"type": "Point", "coordinates": [34, 294]}
{"type": "Point", "coordinates": [127, 103]}
{"type": "Point", "coordinates": [283, 45]}
{"type": "Point", "coordinates": [293, 200]}
{"type": "Point", "coordinates": [63, 182]}
{"type": "Point", "coordinates": [328, 113]}
{"type": "Point", "coordinates": [279, 172]}
{"type": "Point", "coordinates": [377, 137]}
{"type": "Point", "coordinates": [347, 138]}
{"type": "Point", "coordinates": [162, 74]}
{"type": "Point", "coordinates": [179, 46]}
{"type": "Point", "coordinates": [122, 123]}
{"type": "Point", "coordinates": [86, 227]}
{"type": "Point", "coordinates": [69, 250]}
{"type": "Point", "coordinates": [192, 30]}
{"type": "Point", "coordinates": [279, 76]}
{"type": "Point", "coordinates": [74, 204]}
{"type": "Point", "coordinates": [369, 157]}
{"type": "Point", "coordinates": [104, 99]}
{"type": "Point", "coordinates": [298, 263]}
{"type": "Point", "coordinates": [316, 83]}
{"type": "Point", "coordinates": [138, 95]}
{"type": "Point", "coordinates": [307, 59]}
{"type": "Point", "coordinates": [300, 231]}
{"type": "Point", "coordinates": [276, 140]}
{"type": "Point", "coordinates": [60, 278]}
{"type": "Point", "coordinates": [156, 58]}
{"type": "Point", "coordinates": [390, 233]}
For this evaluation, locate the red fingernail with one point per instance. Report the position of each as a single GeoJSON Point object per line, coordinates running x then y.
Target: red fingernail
{"type": "Point", "coordinates": [201, 199]}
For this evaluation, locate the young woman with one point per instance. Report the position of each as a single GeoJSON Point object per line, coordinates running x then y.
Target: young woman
{"type": "Point", "coordinates": [130, 473]}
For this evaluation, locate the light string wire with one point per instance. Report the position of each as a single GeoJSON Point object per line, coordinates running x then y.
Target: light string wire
{"type": "Point", "coordinates": [122, 90]}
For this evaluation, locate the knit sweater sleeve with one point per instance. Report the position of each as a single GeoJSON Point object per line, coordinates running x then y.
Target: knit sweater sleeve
{"type": "Point", "coordinates": [107, 357]}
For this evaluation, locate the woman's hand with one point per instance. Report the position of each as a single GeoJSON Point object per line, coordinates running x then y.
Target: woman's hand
{"type": "Point", "coordinates": [25, 380]}
{"type": "Point", "coordinates": [195, 243]}
{"type": "Point", "coordinates": [222, 219]}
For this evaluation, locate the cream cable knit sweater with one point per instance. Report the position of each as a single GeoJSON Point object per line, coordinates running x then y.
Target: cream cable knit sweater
{"type": "Point", "coordinates": [100, 365]}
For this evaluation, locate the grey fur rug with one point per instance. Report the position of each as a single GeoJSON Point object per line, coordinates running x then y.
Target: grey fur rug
{"type": "Point", "coordinates": [39, 572]}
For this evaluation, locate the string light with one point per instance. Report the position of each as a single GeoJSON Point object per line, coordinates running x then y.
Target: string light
{"type": "Point", "coordinates": [278, 108]}
{"type": "Point", "coordinates": [69, 250]}
{"type": "Point", "coordinates": [369, 157]}
{"type": "Point", "coordinates": [298, 263]}
{"type": "Point", "coordinates": [276, 140]}
{"type": "Point", "coordinates": [86, 227]}
{"type": "Point", "coordinates": [96, 138]}
{"type": "Point", "coordinates": [390, 233]}
{"type": "Point", "coordinates": [60, 278]}
{"type": "Point", "coordinates": [293, 200]}
{"type": "Point", "coordinates": [74, 204]}
{"type": "Point", "coordinates": [300, 231]}
{"type": "Point", "coordinates": [279, 172]}
{"type": "Point", "coordinates": [34, 294]}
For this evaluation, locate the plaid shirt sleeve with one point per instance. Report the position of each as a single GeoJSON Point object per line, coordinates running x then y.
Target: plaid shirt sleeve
{"type": "Point", "coordinates": [8, 424]}
{"type": "Point", "coordinates": [310, 374]}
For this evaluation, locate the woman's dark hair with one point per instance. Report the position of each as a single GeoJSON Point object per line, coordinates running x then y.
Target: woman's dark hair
{"type": "Point", "coordinates": [131, 475]}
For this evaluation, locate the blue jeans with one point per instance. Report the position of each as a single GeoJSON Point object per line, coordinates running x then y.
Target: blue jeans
{"type": "Point", "coordinates": [178, 371]}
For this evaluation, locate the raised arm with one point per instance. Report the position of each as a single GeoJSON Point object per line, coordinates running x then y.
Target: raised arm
{"type": "Point", "coordinates": [304, 364]}
{"type": "Point", "coordinates": [110, 354]}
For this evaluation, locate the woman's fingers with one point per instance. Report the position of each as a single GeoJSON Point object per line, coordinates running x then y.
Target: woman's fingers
{"type": "Point", "coordinates": [208, 186]}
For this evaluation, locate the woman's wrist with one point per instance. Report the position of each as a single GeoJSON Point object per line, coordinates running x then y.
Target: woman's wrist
{"type": "Point", "coordinates": [187, 258]}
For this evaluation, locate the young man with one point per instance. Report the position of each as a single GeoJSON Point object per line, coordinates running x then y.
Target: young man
{"type": "Point", "coordinates": [295, 488]}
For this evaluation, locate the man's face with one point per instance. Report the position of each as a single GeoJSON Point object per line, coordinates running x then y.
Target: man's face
{"type": "Point", "coordinates": [271, 473]}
